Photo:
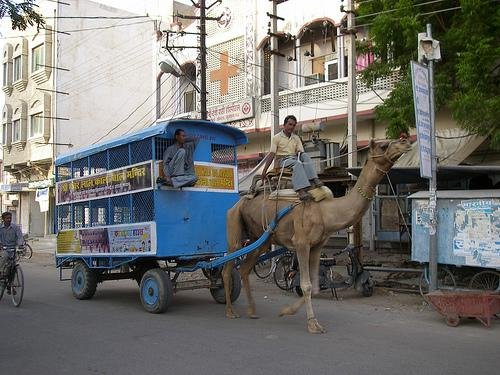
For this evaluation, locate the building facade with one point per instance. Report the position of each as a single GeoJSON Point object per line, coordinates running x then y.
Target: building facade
{"type": "Point", "coordinates": [67, 86]}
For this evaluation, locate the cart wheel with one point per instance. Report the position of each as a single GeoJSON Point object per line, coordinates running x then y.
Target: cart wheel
{"type": "Point", "coordinates": [452, 320]}
{"type": "Point", "coordinates": [367, 290]}
{"type": "Point", "coordinates": [446, 280]}
{"type": "Point", "coordinates": [83, 281]}
{"type": "Point", "coordinates": [485, 280]}
{"type": "Point", "coordinates": [218, 293]}
{"type": "Point", "coordinates": [156, 291]}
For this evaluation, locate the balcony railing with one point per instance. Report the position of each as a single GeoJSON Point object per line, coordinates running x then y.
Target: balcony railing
{"type": "Point", "coordinates": [325, 91]}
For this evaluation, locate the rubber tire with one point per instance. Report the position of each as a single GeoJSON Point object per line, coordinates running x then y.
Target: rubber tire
{"type": "Point", "coordinates": [282, 270]}
{"type": "Point", "coordinates": [17, 297]}
{"type": "Point", "coordinates": [162, 297]}
{"type": "Point", "coordinates": [86, 277]}
{"type": "Point", "coordinates": [219, 295]}
{"type": "Point", "coordinates": [2, 290]}
{"type": "Point", "coordinates": [263, 269]}
{"type": "Point", "coordinates": [367, 290]}
{"type": "Point", "coordinates": [142, 267]}
{"type": "Point", "coordinates": [28, 252]}
{"type": "Point", "coordinates": [452, 320]}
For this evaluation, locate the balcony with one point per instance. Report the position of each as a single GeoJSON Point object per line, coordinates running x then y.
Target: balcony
{"type": "Point", "coordinates": [325, 92]}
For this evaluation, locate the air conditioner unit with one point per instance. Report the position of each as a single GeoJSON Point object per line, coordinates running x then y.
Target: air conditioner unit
{"type": "Point", "coordinates": [314, 79]}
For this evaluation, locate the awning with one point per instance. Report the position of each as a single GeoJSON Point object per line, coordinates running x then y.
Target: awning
{"type": "Point", "coordinates": [453, 146]}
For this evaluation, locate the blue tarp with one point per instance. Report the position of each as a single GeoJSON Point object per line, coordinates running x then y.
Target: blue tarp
{"type": "Point", "coordinates": [152, 131]}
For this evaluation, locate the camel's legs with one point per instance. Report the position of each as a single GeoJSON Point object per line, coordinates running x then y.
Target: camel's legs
{"type": "Point", "coordinates": [303, 253]}
{"type": "Point", "coordinates": [245, 269]}
{"type": "Point", "coordinates": [226, 279]}
{"type": "Point", "coordinates": [314, 259]}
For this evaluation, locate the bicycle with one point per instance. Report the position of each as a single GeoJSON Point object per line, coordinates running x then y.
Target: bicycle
{"type": "Point", "coordinates": [274, 262]}
{"type": "Point", "coordinates": [28, 250]}
{"type": "Point", "coordinates": [354, 275]}
{"type": "Point", "coordinates": [11, 277]}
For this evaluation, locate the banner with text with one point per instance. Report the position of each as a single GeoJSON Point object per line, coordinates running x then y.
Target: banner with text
{"type": "Point", "coordinates": [211, 177]}
{"type": "Point", "coordinates": [133, 178]}
{"type": "Point", "coordinates": [115, 239]}
{"type": "Point", "coordinates": [421, 99]}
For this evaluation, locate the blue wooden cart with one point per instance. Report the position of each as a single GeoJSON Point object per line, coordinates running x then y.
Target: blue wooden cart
{"type": "Point", "coordinates": [114, 221]}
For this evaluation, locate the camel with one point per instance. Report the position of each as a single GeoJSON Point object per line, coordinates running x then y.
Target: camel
{"type": "Point", "coordinates": [305, 229]}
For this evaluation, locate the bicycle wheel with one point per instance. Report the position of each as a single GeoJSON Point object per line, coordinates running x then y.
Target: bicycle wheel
{"type": "Point", "coordinates": [485, 280]}
{"type": "Point", "coordinates": [445, 280]}
{"type": "Point", "coordinates": [17, 286]}
{"type": "Point", "coordinates": [2, 289]}
{"type": "Point", "coordinates": [282, 272]}
{"type": "Point", "coordinates": [263, 269]}
{"type": "Point", "coordinates": [28, 251]}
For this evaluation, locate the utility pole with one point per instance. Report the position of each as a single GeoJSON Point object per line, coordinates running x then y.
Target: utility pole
{"type": "Point", "coordinates": [354, 232]}
{"type": "Point", "coordinates": [202, 48]}
{"type": "Point", "coordinates": [352, 139]}
{"type": "Point", "coordinates": [203, 61]}
{"type": "Point", "coordinates": [273, 36]}
{"type": "Point", "coordinates": [433, 268]}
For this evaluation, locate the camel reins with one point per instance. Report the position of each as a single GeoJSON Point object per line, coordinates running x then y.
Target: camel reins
{"type": "Point", "coordinates": [372, 189]}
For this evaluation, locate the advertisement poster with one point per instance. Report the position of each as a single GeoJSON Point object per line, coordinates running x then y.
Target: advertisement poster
{"type": "Point", "coordinates": [125, 180]}
{"type": "Point", "coordinates": [116, 240]}
{"type": "Point", "coordinates": [477, 232]}
{"type": "Point", "coordinates": [211, 177]}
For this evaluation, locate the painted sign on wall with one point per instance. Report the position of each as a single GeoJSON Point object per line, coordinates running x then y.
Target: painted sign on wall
{"type": "Point", "coordinates": [238, 110]}
{"type": "Point", "coordinates": [132, 178]}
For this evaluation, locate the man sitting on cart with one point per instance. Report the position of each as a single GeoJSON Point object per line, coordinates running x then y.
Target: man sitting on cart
{"type": "Point", "coordinates": [178, 165]}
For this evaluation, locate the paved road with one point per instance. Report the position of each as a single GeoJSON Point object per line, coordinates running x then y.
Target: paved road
{"type": "Point", "coordinates": [52, 333]}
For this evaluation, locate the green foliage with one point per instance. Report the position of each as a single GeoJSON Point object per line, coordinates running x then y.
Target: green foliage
{"type": "Point", "coordinates": [21, 14]}
{"type": "Point", "coordinates": [466, 79]}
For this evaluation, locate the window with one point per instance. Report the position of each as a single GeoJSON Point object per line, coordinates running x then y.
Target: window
{"type": "Point", "coordinates": [37, 58]}
{"type": "Point", "coordinates": [331, 70]}
{"type": "Point", "coordinates": [189, 101]}
{"type": "Point", "coordinates": [17, 68]}
{"type": "Point", "coordinates": [36, 125]}
{"type": "Point", "coordinates": [5, 74]}
{"type": "Point", "coordinates": [16, 130]}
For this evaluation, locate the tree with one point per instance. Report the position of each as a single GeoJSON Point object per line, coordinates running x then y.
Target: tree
{"type": "Point", "coordinates": [21, 14]}
{"type": "Point", "coordinates": [466, 79]}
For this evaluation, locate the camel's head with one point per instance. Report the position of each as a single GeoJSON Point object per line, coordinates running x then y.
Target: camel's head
{"type": "Point", "coordinates": [385, 153]}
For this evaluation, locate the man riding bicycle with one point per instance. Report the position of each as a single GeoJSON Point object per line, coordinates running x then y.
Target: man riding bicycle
{"type": "Point", "coordinates": [10, 238]}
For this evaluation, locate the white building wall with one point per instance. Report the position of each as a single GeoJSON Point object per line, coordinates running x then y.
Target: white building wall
{"type": "Point", "coordinates": [109, 87]}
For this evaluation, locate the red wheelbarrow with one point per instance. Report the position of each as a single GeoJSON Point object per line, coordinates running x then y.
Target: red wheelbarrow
{"type": "Point", "coordinates": [454, 305]}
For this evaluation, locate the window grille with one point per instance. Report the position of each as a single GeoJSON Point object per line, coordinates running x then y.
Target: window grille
{"type": "Point", "coordinates": [143, 206]}
{"type": "Point", "coordinates": [141, 151]}
{"type": "Point", "coordinates": [118, 157]}
{"type": "Point", "coordinates": [64, 172]}
{"type": "Point", "coordinates": [64, 217]}
{"type": "Point", "coordinates": [81, 168]}
{"type": "Point", "coordinates": [161, 145]}
{"type": "Point", "coordinates": [81, 214]}
{"type": "Point", "coordinates": [99, 212]}
{"type": "Point", "coordinates": [223, 154]}
{"type": "Point", "coordinates": [98, 162]}
{"type": "Point", "coordinates": [120, 209]}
